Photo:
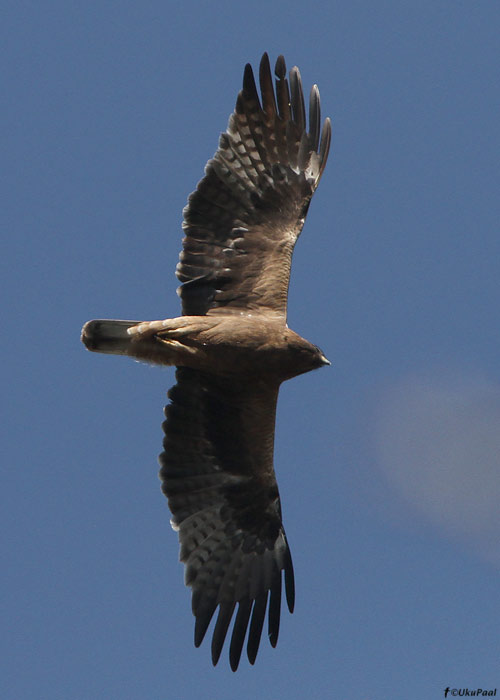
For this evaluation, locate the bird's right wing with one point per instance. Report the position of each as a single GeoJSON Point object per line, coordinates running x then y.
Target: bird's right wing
{"type": "Point", "coordinates": [217, 473]}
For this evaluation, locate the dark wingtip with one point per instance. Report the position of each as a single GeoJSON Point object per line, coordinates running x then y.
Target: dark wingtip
{"type": "Point", "coordinates": [289, 582]}
{"type": "Point", "coordinates": [324, 147]}
{"type": "Point", "coordinates": [203, 617]}
{"type": "Point", "coordinates": [220, 631]}
{"type": "Point", "coordinates": [275, 610]}
{"type": "Point", "coordinates": [239, 632]}
{"type": "Point", "coordinates": [266, 87]}
{"type": "Point", "coordinates": [256, 624]}
{"type": "Point", "coordinates": [297, 99]}
{"type": "Point", "coordinates": [264, 62]}
{"type": "Point", "coordinates": [249, 86]}
{"type": "Point", "coordinates": [314, 117]}
{"type": "Point", "coordinates": [280, 67]}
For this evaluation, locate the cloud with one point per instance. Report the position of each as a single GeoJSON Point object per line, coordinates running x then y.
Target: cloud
{"type": "Point", "coordinates": [438, 444]}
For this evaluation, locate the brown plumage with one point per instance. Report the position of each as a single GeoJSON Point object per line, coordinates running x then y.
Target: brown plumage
{"type": "Point", "coordinates": [233, 349]}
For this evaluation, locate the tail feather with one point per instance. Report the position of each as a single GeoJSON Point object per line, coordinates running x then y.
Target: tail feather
{"type": "Point", "coordinates": [111, 337]}
{"type": "Point", "coordinates": [108, 336]}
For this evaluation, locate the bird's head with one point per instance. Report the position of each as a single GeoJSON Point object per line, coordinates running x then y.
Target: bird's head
{"type": "Point", "coordinates": [304, 356]}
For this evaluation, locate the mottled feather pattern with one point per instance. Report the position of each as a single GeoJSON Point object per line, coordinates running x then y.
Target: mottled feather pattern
{"type": "Point", "coordinates": [228, 517]}
{"type": "Point", "coordinates": [242, 221]}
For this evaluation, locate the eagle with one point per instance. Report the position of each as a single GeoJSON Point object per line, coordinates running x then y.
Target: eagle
{"type": "Point", "coordinates": [232, 349]}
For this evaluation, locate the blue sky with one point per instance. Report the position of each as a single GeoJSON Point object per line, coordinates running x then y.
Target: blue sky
{"type": "Point", "coordinates": [388, 461]}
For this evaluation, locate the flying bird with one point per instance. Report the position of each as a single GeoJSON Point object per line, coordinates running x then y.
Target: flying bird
{"type": "Point", "coordinates": [232, 349]}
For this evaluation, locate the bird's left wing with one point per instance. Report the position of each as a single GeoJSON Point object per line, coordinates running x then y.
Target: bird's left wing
{"type": "Point", "coordinates": [217, 473]}
{"type": "Point", "coordinates": [243, 219]}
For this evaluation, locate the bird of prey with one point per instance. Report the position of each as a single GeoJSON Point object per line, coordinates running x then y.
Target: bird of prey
{"type": "Point", "coordinates": [232, 349]}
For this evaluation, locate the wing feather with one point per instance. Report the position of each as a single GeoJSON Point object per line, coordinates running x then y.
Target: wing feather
{"type": "Point", "coordinates": [218, 476]}
{"type": "Point", "coordinates": [239, 631]}
{"type": "Point", "coordinates": [314, 118]}
{"type": "Point", "coordinates": [298, 107]}
{"type": "Point", "coordinates": [243, 219]}
{"type": "Point", "coordinates": [256, 625]}
{"type": "Point", "coordinates": [282, 90]}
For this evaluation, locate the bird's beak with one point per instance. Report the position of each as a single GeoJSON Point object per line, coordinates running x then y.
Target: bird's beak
{"type": "Point", "coordinates": [324, 360]}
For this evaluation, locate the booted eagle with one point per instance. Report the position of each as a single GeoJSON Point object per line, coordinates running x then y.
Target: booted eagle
{"type": "Point", "coordinates": [232, 349]}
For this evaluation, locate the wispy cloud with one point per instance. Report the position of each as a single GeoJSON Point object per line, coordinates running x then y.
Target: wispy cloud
{"type": "Point", "coordinates": [438, 444]}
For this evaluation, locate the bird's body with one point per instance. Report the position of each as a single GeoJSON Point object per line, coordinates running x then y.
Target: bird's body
{"type": "Point", "coordinates": [226, 345]}
{"type": "Point", "coordinates": [232, 349]}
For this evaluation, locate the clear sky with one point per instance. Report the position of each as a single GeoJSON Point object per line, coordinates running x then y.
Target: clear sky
{"type": "Point", "coordinates": [387, 461]}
